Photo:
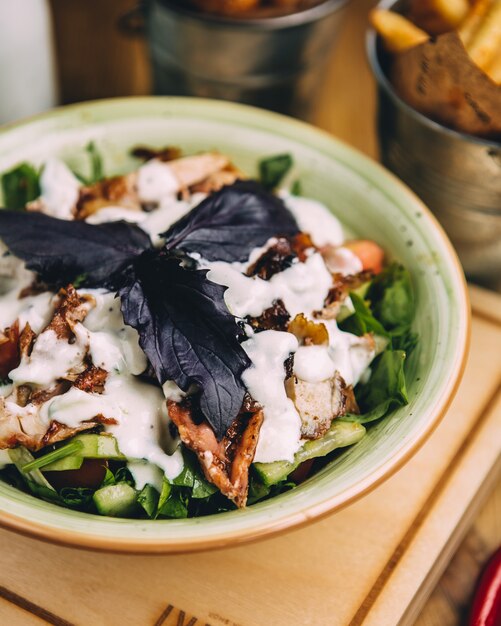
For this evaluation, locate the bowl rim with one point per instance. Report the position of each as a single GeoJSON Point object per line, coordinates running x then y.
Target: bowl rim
{"type": "Point", "coordinates": [372, 39]}
{"type": "Point", "coordinates": [278, 22]}
{"type": "Point", "coordinates": [331, 504]}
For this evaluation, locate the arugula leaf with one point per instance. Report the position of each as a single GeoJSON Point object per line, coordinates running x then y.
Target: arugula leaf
{"type": "Point", "coordinates": [385, 390]}
{"type": "Point", "coordinates": [187, 333]}
{"type": "Point", "coordinates": [273, 169]}
{"type": "Point", "coordinates": [20, 185]}
{"type": "Point", "coordinates": [76, 497]}
{"type": "Point", "coordinates": [228, 224]}
{"type": "Point", "coordinates": [60, 251]}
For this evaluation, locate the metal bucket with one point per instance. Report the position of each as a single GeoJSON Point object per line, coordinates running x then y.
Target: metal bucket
{"type": "Point", "coordinates": [275, 62]}
{"type": "Point", "coordinates": [457, 175]}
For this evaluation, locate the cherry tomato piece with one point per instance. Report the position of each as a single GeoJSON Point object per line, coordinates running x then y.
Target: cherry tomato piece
{"type": "Point", "coordinates": [370, 254]}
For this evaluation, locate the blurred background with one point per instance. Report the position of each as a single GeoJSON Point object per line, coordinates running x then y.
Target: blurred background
{"type": "Point", "coordinates": [97, 55]}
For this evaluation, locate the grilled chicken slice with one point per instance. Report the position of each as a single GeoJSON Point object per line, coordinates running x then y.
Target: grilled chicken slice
{"type": "Point", "coordinates": [225, 463]}
{"type": "Point", "coordinates": [181, 175]}
{"type": "Point", "coordinates": [25, 426]}
{"type": "Point", "coordinates": [125, 191]}
{"type": "Point", "coordinates": [319, 403]}
{"type": "Point", "coordinates": [21, 417]}
{"type": "Point", "coordinates": [218, 180]}
{"type": "Point", "coordinates": [340, 290]}
{"type": "Point", "coordinates": [280, 255]}
{"type": "Point", "coordinates": [276, 317]}
{"type": "Point", "coordinates": [70, 309]}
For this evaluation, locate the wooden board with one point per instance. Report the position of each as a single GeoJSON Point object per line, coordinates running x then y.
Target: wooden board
{"type": "Point", "coordinates": [373, 564]}
{"type": "Point", "coordinates": [450, 602]}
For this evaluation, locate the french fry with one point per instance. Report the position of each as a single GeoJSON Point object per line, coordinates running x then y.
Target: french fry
{"type": "Point", "coordinates": [398, 33]}
{"type": "Point", "coordinates": [494, 69]}
{"type": "Point", "coordinates": [438, 16]}
{"type": "Point", "coordinates": [485, 44]}
{"type": "Point", "coordinates": [473, 20]}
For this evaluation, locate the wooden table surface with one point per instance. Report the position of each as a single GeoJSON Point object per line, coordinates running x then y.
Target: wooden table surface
{"type": "Point", "coordinates": [96, 61]}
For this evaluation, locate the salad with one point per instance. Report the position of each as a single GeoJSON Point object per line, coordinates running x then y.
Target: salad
{"type": "Point", "coordinates": [182, 340]}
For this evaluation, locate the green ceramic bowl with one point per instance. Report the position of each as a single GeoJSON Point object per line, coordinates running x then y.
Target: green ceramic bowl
{"type": "Point", "coordinates": [371, 203]}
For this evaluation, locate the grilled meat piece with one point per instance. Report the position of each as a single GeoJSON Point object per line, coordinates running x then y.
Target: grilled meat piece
{"type": "Point", "coordinates": [70, 309]}
{"type": "Point", "coordinates": [145, 153]}
{"type": "Point", "coordinates": [340, 290]}
{"type": "Point", "coordinates": [123, 190]}
{"type": "Point", "coordinates": [281, 255]}
{"type": "Point", "coordinates": [275, 317]}
{"type": "Point", "coordinates": [319, 403]}
{"type": "Point", "coordinates": [9, 350]}
{"type": "Point", "coordinates": [225, 463]}
{"type": "Point", "coordinates": [91, 380]}
{"type": "Point", "coordinates": [24, 426]}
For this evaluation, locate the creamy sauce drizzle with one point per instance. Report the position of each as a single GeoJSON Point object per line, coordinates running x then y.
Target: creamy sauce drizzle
{"type": "Point", "coordinates": [60, 189]}
{"type": "Point", "coordinates": [280, 435]}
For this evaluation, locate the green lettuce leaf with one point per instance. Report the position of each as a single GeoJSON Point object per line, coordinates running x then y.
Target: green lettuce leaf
{"type": "Point", "coordinates": [273, 169]}
{"type": "Point", "coordinates": [362, 320]}
{"type": "Point", "coordinates": [148, 498]}
{"type": "Point", "coordinates": [192, 478]}
{"type": "Point", "coordinates": [385, 390]}
{"type": "Point", "coordinates": [173, 502]}
{"type": "Point", "coordinates": [20, 186]}
{"type": "Point", "coordinates": [393, 304]}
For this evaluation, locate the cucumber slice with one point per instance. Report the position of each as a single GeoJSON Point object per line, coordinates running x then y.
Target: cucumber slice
{"type": "Point", "coordinates": [72, 462]}
{"type": "Point", "coordinates": [99, 447]}
{"type": "Point", "coordinates": [116, 500]}
{"type": "Point", "coordinates": [339, 435]}
{"type": "Point", "coordinates": [93, 447]}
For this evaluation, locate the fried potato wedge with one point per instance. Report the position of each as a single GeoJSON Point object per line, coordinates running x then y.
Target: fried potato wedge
{"type": "Point", "coordinates": [485, 44]}
{"type": "Point", "coordinates": [398, 32]}
{"type": "Point", "coordinates": [438, 16]}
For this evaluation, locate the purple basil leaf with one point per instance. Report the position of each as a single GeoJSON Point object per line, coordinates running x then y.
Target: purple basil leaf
{"type": "Point", "coordinates": [228, 224]}
{"type": "Point", "coordinates": [187, 333]}
{"type": "Point", "coordinates": [60, 251]}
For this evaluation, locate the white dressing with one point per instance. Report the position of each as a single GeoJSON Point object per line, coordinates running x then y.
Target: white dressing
{"type": "Point", "coordinates": [303, 287]}
{"type": "Point", "coordinates": [115, 214]}
{"type": "Point", "coordinates": [351, 355]}
{"type": "Point", "coordinates": [117, 347]}
{"type": "Point", "coordinates": [155, 181]}
{"type": "Point", "coordinates": [139, 409]}
{"type": "Point", "coordinates": [314, 364]}
{"type": "Point", "coordinates": [280, 435]}
{"type": "Point", "coordinates": [145, 473]}
{"type": "Point", "coordinates": [314, 218]}
{"type": "Point", "coordinates": [59, 189]}
{"type": "Point", "coordinates": [41, 369]}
